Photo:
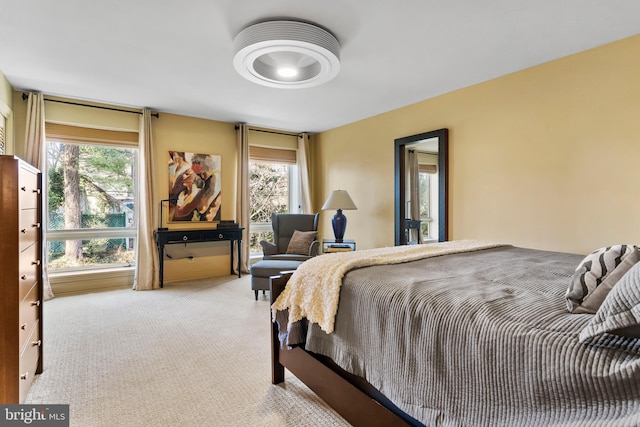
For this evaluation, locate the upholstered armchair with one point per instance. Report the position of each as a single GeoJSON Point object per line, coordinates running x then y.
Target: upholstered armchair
{"type": "Point", "coordinates": [295, 237]}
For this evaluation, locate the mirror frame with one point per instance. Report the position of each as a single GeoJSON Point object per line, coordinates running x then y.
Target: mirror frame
{"type": "Point", "coordinates": [401, 145]}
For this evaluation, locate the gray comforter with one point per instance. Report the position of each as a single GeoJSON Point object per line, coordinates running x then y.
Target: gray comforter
{"type": "Point", "coordinates": [482, 339]}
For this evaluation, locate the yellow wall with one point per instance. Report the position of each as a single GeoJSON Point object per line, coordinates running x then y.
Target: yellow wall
{"type": "Point", "coordinates": [6, 110]}
{"type": "Point", "coordinates": [544, 158]}
{"type": "Point", "coordinates": [19, 122]}
{"type": "Point", "coordinates": [181, 133]}
{"type": "Point", "coordinates": [6, 91]}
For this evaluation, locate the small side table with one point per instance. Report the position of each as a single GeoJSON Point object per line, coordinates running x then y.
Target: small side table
{"type": "Point", "coordinates": [331, 246]}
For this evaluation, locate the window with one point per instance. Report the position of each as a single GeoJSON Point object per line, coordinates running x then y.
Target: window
{"type": "Point", "coordinates": [273, 188]}
{"type": "Point", "coordinates": [91, 201]}
{"type": "Point", "coordinates": [428, 189]}
{"type": "Point", "coordinates": [425, 204]}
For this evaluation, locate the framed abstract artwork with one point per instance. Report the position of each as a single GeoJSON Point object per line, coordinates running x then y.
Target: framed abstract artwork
{"type": "Point", "coordinates": [194, 187]}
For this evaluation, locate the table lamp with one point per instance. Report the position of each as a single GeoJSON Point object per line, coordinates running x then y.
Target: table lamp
{"type": "Point", "coordinates": [340, 200]}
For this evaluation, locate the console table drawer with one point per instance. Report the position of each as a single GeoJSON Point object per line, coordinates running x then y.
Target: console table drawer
{"type": "Point", "coordinates": [225, 235]}
{"type": "Point", "coordinates": [185, 237]}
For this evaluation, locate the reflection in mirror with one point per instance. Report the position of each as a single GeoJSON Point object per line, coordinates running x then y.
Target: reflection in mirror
{"type": "Point", "coordinates": [421, 188]}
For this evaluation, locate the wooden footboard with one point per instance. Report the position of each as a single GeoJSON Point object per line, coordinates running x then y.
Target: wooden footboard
{"type": "Point", "coordinates": [350, 396]}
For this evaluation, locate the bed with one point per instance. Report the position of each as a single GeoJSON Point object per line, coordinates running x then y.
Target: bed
{"type": "Point", "coordinates": [458, 333]}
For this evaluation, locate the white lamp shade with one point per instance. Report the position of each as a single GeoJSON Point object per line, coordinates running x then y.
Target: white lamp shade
{"type": "Point", "coordinates": [339, 199]}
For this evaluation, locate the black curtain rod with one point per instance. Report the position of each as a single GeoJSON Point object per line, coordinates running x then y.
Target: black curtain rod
{"type": "Point", "coordinates": [271, 131]}
{"type": "Point", "coordinates": [157, 115]}
{"type": "Point", "coordinates": [275, 132]}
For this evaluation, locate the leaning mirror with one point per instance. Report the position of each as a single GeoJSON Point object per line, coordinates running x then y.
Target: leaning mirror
{"type": "Point", "coordinates": [421, 188]}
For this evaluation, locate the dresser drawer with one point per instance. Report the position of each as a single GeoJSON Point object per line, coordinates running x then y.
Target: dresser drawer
{"type": "Point", "coordinates": [29, 361]}
{"type": "Point", "coordinates": [29, 227]}
{"type": "Point", "coordinates": [28, 270]}
{"type": "Point", "coordinates": [29, 314]}
{"type": "Point", "coordinates": [28, 190]}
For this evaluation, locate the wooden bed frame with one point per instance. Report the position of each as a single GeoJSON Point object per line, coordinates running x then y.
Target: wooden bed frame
{"type": "Point", "coordinates": [352, 397]}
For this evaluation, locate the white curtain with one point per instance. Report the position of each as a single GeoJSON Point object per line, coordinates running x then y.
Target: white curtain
{"type": "Point", "coordinates": [242, 193]}
{"type": "Point", "coordinates": [414, 207]}
{"type": "Point", "coordinates": [34, 136]}
{"type": "Point", "coordinates": [303, 168]}
{"type": "Point", "coordinates": [414, 173]}
{"type": "Point", "coordinates": [147, 273]}
{"type": "Point", "coordinates": [34, 153]}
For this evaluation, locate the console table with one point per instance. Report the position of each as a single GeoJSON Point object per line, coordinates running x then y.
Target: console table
{"type": "Point", "coordinates": [169, 237]}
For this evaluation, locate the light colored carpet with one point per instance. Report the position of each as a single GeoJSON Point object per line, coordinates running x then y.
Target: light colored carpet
{"type": "Point", "coordinates": [191, 354]}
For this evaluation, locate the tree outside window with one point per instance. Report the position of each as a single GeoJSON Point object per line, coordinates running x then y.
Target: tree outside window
{"type": "Point", "coordinates": [269, 194]}
{"type": "Point", "coordinates": [90, 205]}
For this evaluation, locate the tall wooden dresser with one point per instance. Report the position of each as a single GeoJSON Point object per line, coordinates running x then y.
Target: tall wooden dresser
{"type": "Point", "coordinates": [20, 278]}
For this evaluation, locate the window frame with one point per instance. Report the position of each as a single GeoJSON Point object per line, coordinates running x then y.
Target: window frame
{"type": "Point", "coordinates": [282, 156]}
{"type": "Point", "coordinates": [66, 134]}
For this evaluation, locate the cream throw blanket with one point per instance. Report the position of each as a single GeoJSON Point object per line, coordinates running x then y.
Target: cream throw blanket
{"type": "Point", "coordinates": [313, 290]}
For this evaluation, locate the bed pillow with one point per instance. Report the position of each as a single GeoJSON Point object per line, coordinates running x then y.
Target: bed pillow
{"type": "Point", "coordinates": [300, 242]}
{"type": "Point", "coordinates": [620, 311]}
{"type": "Point", "coordinates": [597, 274]}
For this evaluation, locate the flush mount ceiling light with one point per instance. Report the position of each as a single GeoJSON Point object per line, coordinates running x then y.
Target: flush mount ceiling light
{"type": "Point", "coordinates": [286, 54]}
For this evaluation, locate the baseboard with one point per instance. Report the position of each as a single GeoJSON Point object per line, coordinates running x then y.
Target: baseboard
{"type": "Point", "coordinates": [83, 281]}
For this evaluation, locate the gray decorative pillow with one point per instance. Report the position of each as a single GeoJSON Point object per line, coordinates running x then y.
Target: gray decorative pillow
{"type": "Point", "coordinates": [300, 242]}
{"type": "Point", "coordinates": [620, 311]}
{"type": "Point", "coordinates": [597, 274]}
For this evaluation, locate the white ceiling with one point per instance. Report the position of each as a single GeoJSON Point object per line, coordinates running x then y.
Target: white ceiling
{"type": "Point", "coordinates": [176, 56]}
